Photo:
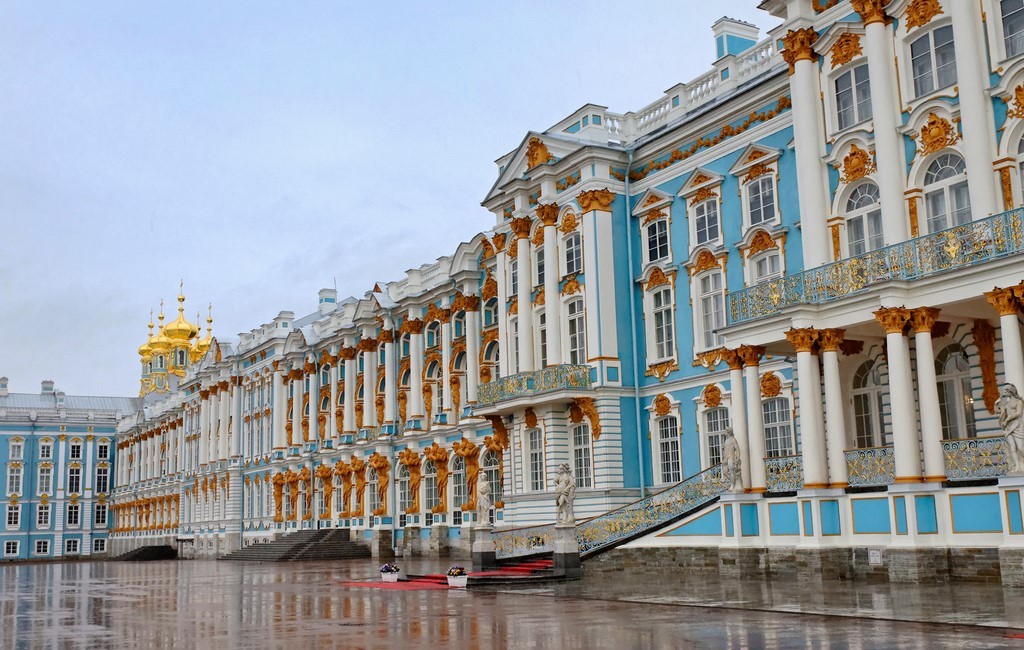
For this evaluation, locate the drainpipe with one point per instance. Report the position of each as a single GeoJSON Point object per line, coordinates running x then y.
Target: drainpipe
{"type": "Point", "coordinates": [632, 325]}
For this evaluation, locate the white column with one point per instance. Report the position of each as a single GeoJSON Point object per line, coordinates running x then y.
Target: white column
{"type": "Point", "coordinates": [297, 386]}
{"type": "Point", "coordinates": [751, 356]}
{"type": "Point", "coordinates": [885, 108]}
{"type": "Point", "coordinates": [332, 420]}
{"type": "Point", "coordinates": [349, 423]}
{"type": "Point", "coordinates": [472, 353]}
{"type": "Point", "coordinates": [922, 319]}
{"type": "Point", "coordinates": [280, 409]}
{"type": "Point", "coordinates": [446, 362]}
{"type": "Point", "coordinates": [390, 379]}
{"type": "Point", "coordinates": [811, 435]}
{"type": "Point", "coordinates": [234, 420]}
{"type": "Point", "coordinates": [806, 93]}
{"type": "Point", "coordinates": [975, 109]}
{"type": "Point", "coordinates": [738, 413]}
{"type": "Point", "coordinates": [204, 426]}
{"type": "Point", "coordinates": [370, 386]}
{"type": "Point", "coordinates": [414, 408]}
{"type": "Point", "coordinates": [213, 441]}
{"type": "Point", "coordinates": [552, 297]}
{"type": "Point", "coordinates": [906, 451]}
{"type": "Point", "coordinates": [505, 345]}
{"type": "Point", "coordinates": [524, 259]}
{"type": "Point", "coordinates": [1009, 332]}
{"type": "Point", "coordinates": [835, 422]}
{"type": "Point", "coordinates": [225, 414]}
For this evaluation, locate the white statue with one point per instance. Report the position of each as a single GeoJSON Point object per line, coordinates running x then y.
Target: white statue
{"type": "Point", "coordinates": [483, 503]}
{"type": "Point", "coordinates": [732, 463]}
{"type": "Point", "coordinates": [565, 494]}
{"type": "Point", "coordinates": [1010, 409]}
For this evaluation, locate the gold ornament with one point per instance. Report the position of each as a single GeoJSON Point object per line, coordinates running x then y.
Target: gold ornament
{"type": "Point", "coordinates": [845, 49]}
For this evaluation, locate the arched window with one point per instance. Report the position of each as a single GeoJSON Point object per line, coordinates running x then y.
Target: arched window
{"type": "Point", "coordinates": [867, 405]}
{"type": "Point", "coordinates": [431, 498]}
{"type": "Point", "coordinates": [340, 507]}
{"type": "Point", "coordinates": [373, 502]}
{"type": "Point", "coordinates": [433, 334]}
{"type": "Point", "coordinates": [864, 219]}
{"type": "Point", "coordinates": [577, 332]}
{"type": "Point", "coordinates": [459, 324]}
{"type": "Point", "coordinates": [457, 478]}
{"type": "Point", "coordinates": [325, 375]}
{"type": "Point", "coordinates": [716, 421]}
{"type": "Point", "coordinates": [1013, 26]}
{"type": "Point", "coordinates": [945, 193]}
{"type": "Point", "coordinates": [766, 266]}
{"type": "Point", "coordinates": [933, 61]}
{"type": "Point", "coordinates": [404, 493]}
{"type": "Point", "coordinates": [853, 97]}
{"type": "Point", "coordinates": [490, 466]}
{"type": "Point", "coordinates": [657, 240]}
{"type": "Point", "coordinates": [181, 358]}
{"type": "Point", "coordinates": [956, 402]}
{"type": "Point", "coordinates": [573, 254]}
{"type": "Point", "coordinates": [778, 428]}
{"type": "Point", "coordinates": [581, 455]}
{"type": "Point", "coordinates": [160, 362]}
{"type": "Point", "coordinates": [490, 312]}
{"type": "Point", "coordinates": [403, 344]}
{"type": "Point", "coordinates": [669, 456]}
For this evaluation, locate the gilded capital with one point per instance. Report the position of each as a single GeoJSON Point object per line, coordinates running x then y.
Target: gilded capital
{"type": "Point", "coordinates": [1003, 300]}
{"type": "Point", "coordinates": [802, 338]}
{"type": "Point", "coordinates": [521, 227]}
{"type": "Point", "coordinates": [466, 302]}
{"type": "Point", "coordinates": [547, 213]}
{"type": "Point", "coordinates": [750, 354]}
{"type": "Point", "coordinates": [732, 358]}
{"type": "Point", "coordinates": [499, 241]}
{"type": "Point", "coordinates": [892, 319]}
{"type": "Point", "coordinates": [596, 200]}
{"type": "Point", "coordinates": [831, 339]}
{"type": "Point", "coordinates": [411, 326]}
{"type": "Point", "coordinates": [923, 319]}
{"type": "Point", "coordinates": [346, 353]}
{"type": "Point", "coordinates": [871, 11]}
{"type": "Point", "coordinates": [386, 336]}
{"type": "Point", "coordinates": [367, 345]}
{"type": "Point", "coordinates": [798, 45]}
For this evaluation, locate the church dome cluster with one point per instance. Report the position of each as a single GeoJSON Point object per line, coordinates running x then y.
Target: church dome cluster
{"type": "Point", "coordinates": [171, 348]}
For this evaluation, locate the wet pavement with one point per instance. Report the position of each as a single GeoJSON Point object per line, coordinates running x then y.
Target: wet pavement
{"type": "Point", "coordinates": [208, 604]}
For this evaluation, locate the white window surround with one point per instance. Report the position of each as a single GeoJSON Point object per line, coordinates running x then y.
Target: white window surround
{"type": "Point", "coordinates": [700, 344]}
{"type": "Point", "coordinates": [702, 409]}
{"type": "Point", "coordinates": [656, 235]}
{"type": "Point", "coordinates": [757, 163]}
{"type": "Point", "coordinates": [995, 29]}
{"type": "Point", "coordinates": [653, 422]}
{"type": "Point", "coordinates": [652, 352]}
{"type": "Point", "coordinates": [830, 73]}
{"type": "Point", "coordinates": [567, 342]}
{"type": "Point", "coordinates": [568, 249]}
{"type": "Point", "coordinates": [905, 62]}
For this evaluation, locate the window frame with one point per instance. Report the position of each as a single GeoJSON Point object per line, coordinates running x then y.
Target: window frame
{"type": "Point", "coordinates": [535, 461]}
{"type": "Point", "coordinates": [575, 354]}
{"type": "Point", "coordinates": [701, 344]}
{"type": "Point", "coordinates": [771, 177]}
{"type": "Point", "coordinates": [851, 69]}
{"type": "Point", "coordinates": [572, 247]}
{"type": "Point", "coordinates": [909, 82]}
{"type": "Point", "coordinates": [658, 228]}
{"type": "Point", "coordinates": [862, 214]}
{"type": "Point", "coordinates": [582, 454]}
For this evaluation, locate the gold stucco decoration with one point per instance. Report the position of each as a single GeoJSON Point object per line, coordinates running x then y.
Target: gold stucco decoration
{"type": "Point", "coordinates": [662, 405]}
{"type": "Point", "coordinates": [921, 12]}
{"type": "Point", "coordinates": [537, 153]}
{"type": "Point", "coordinates": [937, 133]}
{"type": "Point", "coordinates": [712, 396]}
{"type": "Point", "coordinates": [771, 385]}
{"type": "Point", "coordinates": [845, 49]}
{"type": "Point", "coordinates": [856, 165]}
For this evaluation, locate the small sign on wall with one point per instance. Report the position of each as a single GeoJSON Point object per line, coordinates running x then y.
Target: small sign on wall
{"type": "Point", "coordinates": [875, 557]}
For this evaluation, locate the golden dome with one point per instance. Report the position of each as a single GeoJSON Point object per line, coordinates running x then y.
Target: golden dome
{"type": "Point", "coordinates": [160, 342]}
{"type": "Point", "coordinates": [146, 348]}
{"type": "Point", "coordinates": [180, 330]}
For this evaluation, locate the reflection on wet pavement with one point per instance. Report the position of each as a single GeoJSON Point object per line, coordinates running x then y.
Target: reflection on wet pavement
{"type": "Point", "coordinates": [208, 604]}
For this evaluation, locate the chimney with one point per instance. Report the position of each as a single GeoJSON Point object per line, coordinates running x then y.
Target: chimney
{"type": "Point", "coordinates": [60, 399]}
{"type": "Point", "coordinates": [328, 301]}
{"type": "Point", "coordinates": [47, 387]}
{"type": "Point", "coordinates": [733, 37]}
{"type": "Point", "coordinates": [3, 386]}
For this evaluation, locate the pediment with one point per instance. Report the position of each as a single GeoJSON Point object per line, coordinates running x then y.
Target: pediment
{"type": "Point", "coordinates": [651, 200]}
{"type": "Point", "coordinates": [700, 179]}
{"type": "Point", "coordinates": [535, 151]}
{"type": "Point", "coordinates": [754, 154]}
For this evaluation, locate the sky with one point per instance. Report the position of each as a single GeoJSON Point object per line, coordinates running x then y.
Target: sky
{"type": "Point", "coordinates": [261, 150]}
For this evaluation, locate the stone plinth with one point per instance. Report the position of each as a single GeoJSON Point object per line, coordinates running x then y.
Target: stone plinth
{"type": "Point", "coordinates": [483, 549]}
{"type": "Point", "coordinates": [567, 553]}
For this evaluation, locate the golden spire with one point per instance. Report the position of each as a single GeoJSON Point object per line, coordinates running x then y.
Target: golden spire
{"type": "Point", "coordinates": [160, 343]}
{"type": "Point", "coordinates": [146, 348]}
{"type": "Point", "coordinates": [180, 330]}
{"type": "Point", "coordinates": [202, 345]}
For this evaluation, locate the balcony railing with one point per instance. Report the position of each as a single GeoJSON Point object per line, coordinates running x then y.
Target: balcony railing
{"type": "Point", "coordinates": [871, 466]}
{"type": "Point", "coordinates": [974, 458]}
{"type": "Point", "coordinates": [784, 473]}
{"type": "Point", "coordinates": [972, 243]}
{"type": "Point", "coordinates": [534, 383]}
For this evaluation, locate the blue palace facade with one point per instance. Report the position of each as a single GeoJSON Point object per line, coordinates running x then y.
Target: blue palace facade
{"type": "Point", "coordinates": [815, 244]}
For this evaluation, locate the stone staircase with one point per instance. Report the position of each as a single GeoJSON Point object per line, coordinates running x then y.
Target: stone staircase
{"type": "Point", "coordinates": [330, 544]}
{"type": "Point", "coordinates": [147, 554]}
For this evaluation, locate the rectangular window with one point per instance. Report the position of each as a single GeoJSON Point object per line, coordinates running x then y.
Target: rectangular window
{"type": "Point", "coordinates": [42, 547]}
{"type": "Point", "coordinates": [707, 221]}
{"type": "Point", "coordinates": [865, 233]}
{"type": "Point", "coordinates": [99, 545]}
{"type": "Point", "coordinates": [76, 451]}
{"type": "Point", "coordinates": [514, 326]}
{"type": "Point", "coordinates": [536, 458]}
{"type": "Point", "coordinates": [933, 61]}
{"type": "Point", "coordinates": [10, 549]}
{"type": "Point", "coordinates": [540, 266]}
{"type": "Point", "coordinates": [657, 241]}
{"type": "Point", "coordinates": [664, 325]}
{"type": "Point", "coordinates": [74, 480]}
{"type": "Point", "coordinates": [767, 267]}
{"type": "Point", "coordinates": [577, 333]}
{"type": "Point", "coordinates": [45, 451]}
{"type": "Point", "coordinates": [13, 516]}
{"type": "Point", "coordinates": [74, 514]}
{"type": "Point", "coordinates": [102, 479]}
{"type": "Point", "coordinates": [668, 449]}
{"type": "Point", "coordinates": [581, 455]}
{"type": "Point", "coordinates": [71, 547]}
{"type": "Point", "coordinates": [853, 97]}
{"type": "Point", "coordinates": [761, 200]}
{"type": "Point", "coordinates": [1013, 26]}
{"type": "Point", "coordinates": [778, 432]}
{"type": "Point", "coordinates": [43, 515]}
{"type": "Point", "coordinates": [712, 309]}
{"type": "Point", "coordinates": [513, 278]}
{"type": "Point", "coordinates": [573, 254]}
{"type": "Point", "coordinates": [103, 451]}
{"type": "Point", "coordinates": [17, 451]}
{"type": "Point", "coordinates": [14, 479]}
{"type": "Point", "coordinates": [542, 324]}
{"type": "Point", "coordinates": [45, 480]}
{"type": "Point", "coordinates": [717, 420]}
{"type": "Point", "coordinates": [100, 515]}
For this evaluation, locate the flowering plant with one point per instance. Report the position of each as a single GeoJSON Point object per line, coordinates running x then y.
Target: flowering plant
{"type": "Point", "coordinates": [389, 568]}
{"type": "Point", "coordinates": [457, 571]}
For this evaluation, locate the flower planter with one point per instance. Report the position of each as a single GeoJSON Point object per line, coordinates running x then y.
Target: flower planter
{"type": "Point", "coordinates": [458, 581]}
{"type": "Point", "coordinates": [389, 577]}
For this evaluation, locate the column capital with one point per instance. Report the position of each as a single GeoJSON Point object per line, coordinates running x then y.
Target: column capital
{"type": "Point", "coordinates": [596, 200]}
{"type": "Point", "coordinates": [386, 336]}
{"type": "Point", "coordinates": [892, 319]}
{"type": "Point", "coordinates": [732, 358]}
{"type": "Point", "coordinates": [368, 344]}
{"type": "Point", "coordinates": [750, 354]}
{"type": "Point", "coordinates": [521, 227]}
{"type": "Point", "coordinates": [923, 319]}
{"type": "Point", "coordinates": [871, 11]}
{"type": "Point", "coordinates": [346, 353]}
{"type": "Point", "coordinates": [465, 302]}
{"type": "Point", "coordinates": [1003, 300]}
{"type": "Point", "coordinates": [499, 242]}
{"type": "Point", "coordinates": [548, 213]}
{"type": "Point", "coordinates": [802, 338]}
{"type": "Point", "coordinates": [830, 339]}
{"type": "Point", "coordinates": [411, 326]}
{"type": "Point", "coordinates": [798, 45]}
{"type": "Point", "coordinates": [295, 374]}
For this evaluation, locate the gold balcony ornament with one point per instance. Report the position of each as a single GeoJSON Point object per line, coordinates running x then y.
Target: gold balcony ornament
{"type": "Point", "coordinates": [937, 133]}
{"type": "Point", "coordinates": [596, 200]}
{"type": "Point", "coordinates": [845, 49]}
{"type": "Point", "coordinates": [921, 12]}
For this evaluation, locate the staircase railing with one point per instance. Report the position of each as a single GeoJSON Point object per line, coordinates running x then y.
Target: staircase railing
{"type": "Point", "coordinates": [619, 525]}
